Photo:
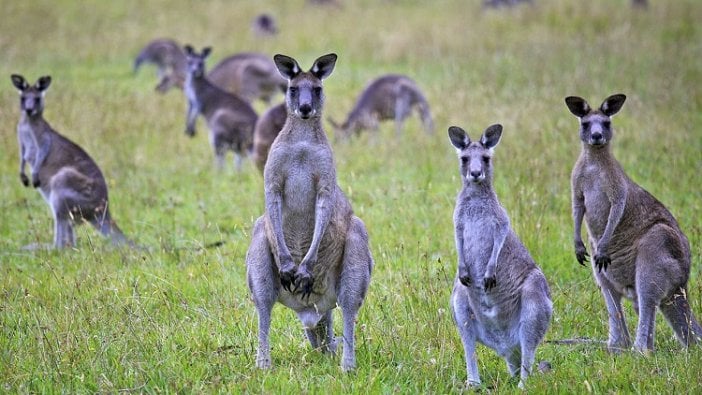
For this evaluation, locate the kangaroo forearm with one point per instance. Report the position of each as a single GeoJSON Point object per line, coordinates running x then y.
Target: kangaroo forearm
{"type": "Point", "coordinates": [274, 209]}
{"type": "Point", "coordinates": [41, 155]}
{"type": "Point", "coordinates": [322, 216]}
{"type": "Point", "coordinates": [578, 214]}
{"type": "Point", "coordinates": [497, 244]}
{"type": "Point", "coordinates": [615, 215]}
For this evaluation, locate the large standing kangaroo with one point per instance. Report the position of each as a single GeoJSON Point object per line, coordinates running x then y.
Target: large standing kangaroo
{"type": "Point", "coordinates": [67, 177]}
{"type": "Point", "coordinates": [500, 297]}
{"type": "Point", "coordinates": [639, 250]}
{"type": "Point", "coordinates": [308, 251]}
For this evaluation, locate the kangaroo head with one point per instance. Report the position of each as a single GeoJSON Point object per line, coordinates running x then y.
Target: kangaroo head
{"type": "Point", "coordinates": [595, 125]}
{"type": "Point", "coordinates": [31, 96]}
{"type": "Point", "coordinates": [196, 62]}
{"type": "Point", "coordinates": [304, 97]}
{"type": "Point", "coordinates": [475, 156]}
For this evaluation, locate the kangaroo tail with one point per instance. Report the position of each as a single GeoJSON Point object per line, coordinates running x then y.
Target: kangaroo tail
{"type": "Point", "coordinates": [677, 312]}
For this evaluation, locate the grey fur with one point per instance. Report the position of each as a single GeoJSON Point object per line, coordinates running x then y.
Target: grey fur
{"type": "Point", "coordinates": [639, 250]}
{"type": "Point", "coordinates": [388, 97]}
{"type": "Point", "coordinates": [267, 129]}
{"type": "Point", "coordinates": [500, 297]}
{"type": "Point", "coordinates": [249, 75]}
{"type": "Point", "coordinates": [67, 177]}
{"type": "Point", "coordinates": [230, 119]}
{"type": "Point", "coordinates": [169, 60]}
{"type": "Point", "coordinates": [308, 251]}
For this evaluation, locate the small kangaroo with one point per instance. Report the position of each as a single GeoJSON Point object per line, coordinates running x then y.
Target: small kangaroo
{"type": "Point", "coordinates": [230, 119]}
{"type": "Point", "coordinates": [263, 25]}
{"type": "Point", "coordinates": [639, 250]}
{"type": "Point", "coordinates": [249, 75]}
{"type": "Point", "coordinates": [267, 129]}
{"type": "Point", "coordinates": [67, 177]}
{"type": "Point", "coordinates": [387, 97]}
{"type": "Point", "coordinates": [169, 59]}
{"type": "Point", "coordinates": [500, 297]}
{"type": "Point", "coordinates": [308, 251]}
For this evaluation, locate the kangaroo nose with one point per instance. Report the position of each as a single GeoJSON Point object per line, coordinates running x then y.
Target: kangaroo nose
{"type": "Point", "coordinates": [475, 174]}
{"type": "Point", "coordinates": [597, 136]}
{"type": "Point", "coordinates": [305, 110]}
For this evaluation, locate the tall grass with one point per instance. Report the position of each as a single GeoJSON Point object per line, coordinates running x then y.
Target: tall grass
{"type": "Point", "coordinates": [178, 317]}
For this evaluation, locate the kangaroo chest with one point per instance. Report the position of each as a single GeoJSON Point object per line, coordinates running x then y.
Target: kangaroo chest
{"type": "Point", "coordinates": [24, 135]}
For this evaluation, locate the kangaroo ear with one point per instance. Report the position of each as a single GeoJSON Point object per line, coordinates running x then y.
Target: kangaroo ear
{"type": "Point", "coordinates": [43, 83]}
{"type": "Point", "coordinates": [491, 136]}
{"type": "Point", "coordinates": [578, 106]}
{"type": "Point", "coordinates": [323, 66]}
{"type": "Point", "coordinates": [206, 52]}
{"type": "Point", "coordinates": [188, 49]}
{"type": "Point", "coordinates": [19, 82]}
{"type": "Point", "coordinates": [613, 104]}
{"type": "Point", "coordinates": [287, 66]}
{"type": "Point", "coordinates": [459, 138]}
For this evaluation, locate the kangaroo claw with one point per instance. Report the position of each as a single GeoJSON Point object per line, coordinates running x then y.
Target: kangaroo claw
{"type": "Point", "coordinates": [602, 261]}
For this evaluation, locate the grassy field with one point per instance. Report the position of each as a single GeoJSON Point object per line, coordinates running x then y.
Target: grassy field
{"type": "Point", "coordinates": [178, 318]}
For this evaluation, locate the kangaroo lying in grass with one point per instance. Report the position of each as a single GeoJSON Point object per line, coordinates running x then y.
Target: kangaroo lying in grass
{"type": "Point", "coordinates": [387, 97]}
{"type": "Point", "coordinates": [308, 251]}
{"type": "Point", "coordinates": [639, 250]}
{"type": "Point", "coordinates": [500, 297]}
{"type": "Point", "coordinates": [67, 177]}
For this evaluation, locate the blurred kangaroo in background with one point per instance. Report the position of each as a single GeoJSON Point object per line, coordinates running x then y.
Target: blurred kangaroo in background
{"type": "Point", "coordinates": [68, 179]}
{"type": "Point", "coordinates": [387, 97]}
{"type": "Point", "coordinates": [639, 250]}
{"type": "Point", "coordinates": [169, 60]}
{"type": "Point", "coordinates": [249, 75]}
{"type": "Point", "coordinates": [267, 129]}
{"type": "Point", "coordinates": [230, 119]}
{"type": "Point", "coordinates": [308, 251]}
{"type": "Point", "coordinates": [263, 25]}
{"type": "Point", "coordinates": [500, 297]}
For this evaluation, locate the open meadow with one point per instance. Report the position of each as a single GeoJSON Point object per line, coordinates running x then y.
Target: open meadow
{"type": "Point", "coordinates": [177, 317]}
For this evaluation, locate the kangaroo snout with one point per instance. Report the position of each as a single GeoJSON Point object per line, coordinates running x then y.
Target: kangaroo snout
{"type": "Point", "coordinates": [597, 138]}
{"type": "Point", "coordinates": [305, 111]}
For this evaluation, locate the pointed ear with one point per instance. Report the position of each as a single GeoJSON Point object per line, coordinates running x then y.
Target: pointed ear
{"type": "Point", "coordinates": [188, 49]}
{"type": "Point", "coordinates": [287, 66]}
{"type": "Point", "coordinates": [323, 66]}
{"type": "Point", "coordinates": [206, 52]}
{"type": "Point", "coordinates": [459, 138]}
{"type": "Point", "coordinates": [491, 136]}
{"type": "Point", "coordinates": [578, 106]}
{"type": "Point", "coordinates": [19, 82]}
{"type": "Point", "coordinates": [613, 104]}
{"type": "Point", "coordinates": [43, 83]}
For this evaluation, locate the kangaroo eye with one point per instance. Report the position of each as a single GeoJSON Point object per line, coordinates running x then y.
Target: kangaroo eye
{"type": "Point", "coordinates": [606, 124]}
{"type": "Point", "coordinates": [292, 90]}
{"type": "Point", "coordinates": [486, 159]}
{"type": "Point", "coordinates": [586, 125]}
{"type": "Point", "coordinates": [317, 90]}
{"type": "Point", "coordinates": [464, 159]}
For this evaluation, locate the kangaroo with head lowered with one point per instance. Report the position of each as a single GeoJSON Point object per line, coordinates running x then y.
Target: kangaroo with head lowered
{"type": "Point", "coordinates": [230, 119]}
{"type": "Point", "coordinates": [67, 177]}
{"type": "Point", "coordinates": [500, 297]}
{"type": "Point", "coordinates": [308, 251]}
{"type": "Point", "coordinates": [639, 250]}
{"type": "Point", "coordinates": [169, 59]}
{"type": "Point", "coordinates": [249, 75]}
{"type": "Point", "coordinates": [267, 129]}
{"type": "Point", "coordinates": [387, 97]}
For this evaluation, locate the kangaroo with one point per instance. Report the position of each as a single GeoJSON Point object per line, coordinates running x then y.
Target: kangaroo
{"type": "Point", "coordinates": [170, 60]}
{"type": "Point", "coordinates": [387, 97]}
{"type": "Point", "coordinates": [249, 75]}
{"type": "Point", "coordinates": [230, 119]}
{"type": "Point", "coordinates": [263, 25]}
{"type": "Point", "coordinates": [67, 177]}
{"type": "Point", "coordinates": [267, 129]}
{"type": "Point", "coordinates": [308, 251]}
{"type": "Point", "coordinates": [639, 250]}
{"type": "Point", "coordinates": [500, 297]}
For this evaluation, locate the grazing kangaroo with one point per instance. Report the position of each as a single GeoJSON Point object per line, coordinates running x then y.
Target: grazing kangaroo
{"type": "Point", "coordinates": [387, 97]}
{"type": "Point", "coordinates": [170, 60]}
{"type": "Point", "coordinates": [267, 129]}
{"type": "Point", "coordinates": [68, 179]}
{"type": "Point", "coordinates": [249, 75]}
{"type": "Point", "coordinates": [308, 251]}
{"type": "Point", "coordinates": [500, 297]}
{"type": "Point", "coordinates": [230, 119]}
{"type": "Point", "coordinates": [639, 250]}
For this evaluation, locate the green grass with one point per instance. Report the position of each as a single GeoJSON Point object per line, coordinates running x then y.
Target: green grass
{"type": "Point", "coordinates": [179, 318]}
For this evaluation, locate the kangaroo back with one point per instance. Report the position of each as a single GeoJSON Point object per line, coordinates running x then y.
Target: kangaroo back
{"type": "Point", "coordinates": [249, 75]}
